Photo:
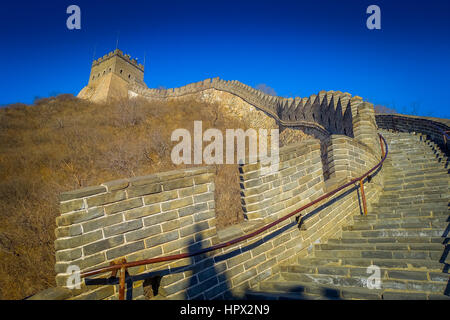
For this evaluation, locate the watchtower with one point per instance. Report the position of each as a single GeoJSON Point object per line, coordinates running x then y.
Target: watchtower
{"type": "Point", "coordinates": [120, 64]}
{"type": "Point", "coordinates": [112, 76]}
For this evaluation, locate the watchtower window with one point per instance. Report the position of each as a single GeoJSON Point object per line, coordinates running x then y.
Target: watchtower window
{"type": "Point", "coordinates": [129, 76]}
{"type": "Point", "coordinates": [121, 71]}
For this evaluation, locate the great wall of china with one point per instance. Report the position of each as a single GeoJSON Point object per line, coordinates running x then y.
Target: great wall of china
{"type": "Point", "coordinates": [405, 232]}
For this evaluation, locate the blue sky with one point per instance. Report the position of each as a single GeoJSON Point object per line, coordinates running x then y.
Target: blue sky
{"type": "Point", "coordinates": [296, 47]}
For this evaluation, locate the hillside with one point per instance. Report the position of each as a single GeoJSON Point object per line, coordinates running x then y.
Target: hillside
{"type": "Point", "coordinates": [63, 143]}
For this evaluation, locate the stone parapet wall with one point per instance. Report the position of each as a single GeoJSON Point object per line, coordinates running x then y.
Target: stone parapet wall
{"type": "Point", "coordinates": [329, 112]}
{"type": "Point", "coordinates": [432, 127]}
{"type": "Point", "coordinates": [134, 218]}
{"type": "Point", "coordinates": [349, 158]}
{"type": "Point", "coordinates": [299, 176]}
{"type": "Point", "coordinates": [174, 212]}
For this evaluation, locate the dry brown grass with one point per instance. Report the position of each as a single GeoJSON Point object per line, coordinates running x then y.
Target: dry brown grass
{"type": "Point", "coordinates": [64, 143]}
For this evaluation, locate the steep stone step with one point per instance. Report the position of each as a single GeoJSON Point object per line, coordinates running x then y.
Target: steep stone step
{"type": "Point", "coordinates": [288, 272]}
{"type": "Point", "coordinates": [410, 264]}
{"type": "Point", "coordinates": [400, 192]}
{"type": "Point", "coordinates": [406, 234]}
{"type": "Point", "coordinates": [418, 205]}
{"type": "Point", "coordinates": [398, 218]}
{"type": "Point", "coordinates": [328, 291]}
{"type": "Point", "coordinates": [394, 233]}
{"type": "Point", "coordinates": [380, 254]}
{"type": "Point", "coordinates": [406, 167]}
{"type": "Point", "coordinates": [391, 240]}
{"type": "Point", "coordinates": [258, 295]}
{"type": "Point", "coordinates": [432, 223]}
{"type": "Point", "coordinates": [382, 246]}
{"type": "Point", "coordinates": [403, 212]}
{"type": "Point", "coordinates": [405, 295]}
{"type": "Point", "coordinates": [426, 286]}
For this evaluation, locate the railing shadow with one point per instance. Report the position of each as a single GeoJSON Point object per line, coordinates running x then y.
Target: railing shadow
{"type": "Point", "coordinates": [208, 277]}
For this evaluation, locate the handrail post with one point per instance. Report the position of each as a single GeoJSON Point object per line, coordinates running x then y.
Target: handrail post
{"type": "Point", "coordinates": [123, 271]}
{"type": "Point", "coordinates": [363, 196]}
{"type": "Point", "coordinates": [382, 147]}
{"type": "Point", "coordinates": [445, 139]}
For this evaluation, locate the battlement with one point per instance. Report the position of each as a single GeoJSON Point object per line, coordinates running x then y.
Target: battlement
{"type": "Point", "coordinates": [118, 53]}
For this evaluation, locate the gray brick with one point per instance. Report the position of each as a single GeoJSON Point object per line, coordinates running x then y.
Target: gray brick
{"type": "Point", "coordinates": [143, 233]}
{"type": "Point", "coordinates": [202, 286]}
{"type": "Point", "coordinates": [160, 197]}
{"type": "Point", "coordinates": [161, 217]}
{"type": "Point", "coordinates": [136, 191]}
{"type": "Point", "coordinates": [204, 215]}
{"type": "Point", "coordinates": [68, 243]}
{"type": "Point", "coordinates": [243, 276]}
{"type": "Point", "coordinates": [408, 275]}
{"type": "Point", "coordinates": [122, 227]}
{"type": "Point", "coordinates": [116, 184]}
{"type": "Point", "coordinates": [240, 258]}
{"type": "Point", "coordinates": [162, 238]}
{"type": "Point", "coordinates": [175, 204]}
{"type": "Point", "coordinates": [101, 223]}
{"type": "Point", "coordinates": [178, 286]}
{"type": "Point", "coordinates": [98, 294]}
{"type": "Point", "coordinates": [102, 245]}
{"type": "Point", "coordinates": [68, 255]}
{"type": "Point", "coordinates": [212, 271]}
{"type": "Point", "coordinates": [178, 184]}
{"type": "Point", "coordinates": [145, 180]}
{"type": "Point", "coordinates": [178, 244]}
{"type": "Point", "coordinates": [170, 225]}
{"type": "Point", "coordinates": [68, 231]}
{"type": "Point", "coordinates": [216, 290]}
{"type": "Point", "coordinates": [124, 250]}
{"type": "Point", "coordinates": [254, 261]}
{"type": "Point", "coordinates": [204, 178]}
{"type": "Point", "coordinates": [106, 198]}
{"type": "Point", "coordinates": [205, 197]}
{"type": "Point", "coordinates": [81, 193]}
{"type": "Point", "coordinates": [194, 228]}
{"type": "Point", "coordinates": [142, 212]}
{"type": "Point", "coordinates": [72, 205]}
{"type": "Point", "coordinates": [191, 209]}
{"type": "Point", "coordinates": [193, 190]}
{"type": "Point", "coordinates": [80, 216]}
{"type": "Point", "coordinates": [123, 205]}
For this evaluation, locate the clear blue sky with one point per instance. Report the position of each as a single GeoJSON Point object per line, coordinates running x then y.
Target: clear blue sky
{"type": "Point", "coordinates": [296, 47]}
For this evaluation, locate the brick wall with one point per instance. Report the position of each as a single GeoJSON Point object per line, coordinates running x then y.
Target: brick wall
{"type": "Point", "coordinates": [300, 176]}
{"type": "Point", "coordinates": [324, 113]}
{"type": "Point", "coordinates": [349, 158]}
{"type": "Point", "coordinates": [134, 218]}
{"type": "Point", "coordinates": [431, 127]}
{"type": "Point", "coordinates": [173, 212]}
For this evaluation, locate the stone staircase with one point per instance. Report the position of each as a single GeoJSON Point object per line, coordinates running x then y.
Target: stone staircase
{"type": "Point", "coordinates": [405, 234]}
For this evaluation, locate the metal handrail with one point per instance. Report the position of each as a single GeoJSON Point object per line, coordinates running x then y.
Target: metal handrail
{"type": "Point", "coordinates": [123, 265]}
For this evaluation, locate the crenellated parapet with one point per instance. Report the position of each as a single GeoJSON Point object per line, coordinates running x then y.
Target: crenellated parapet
{"type": "Point", "coordinates": [328, 112]}
{"type": "Point", "coordinates": [118, 53]}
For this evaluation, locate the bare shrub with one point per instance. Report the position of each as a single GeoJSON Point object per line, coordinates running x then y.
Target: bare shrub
{"type": "Point", "coordinates": [63, 143]}
{"type": "Point", "coordinates": [383, 109]}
